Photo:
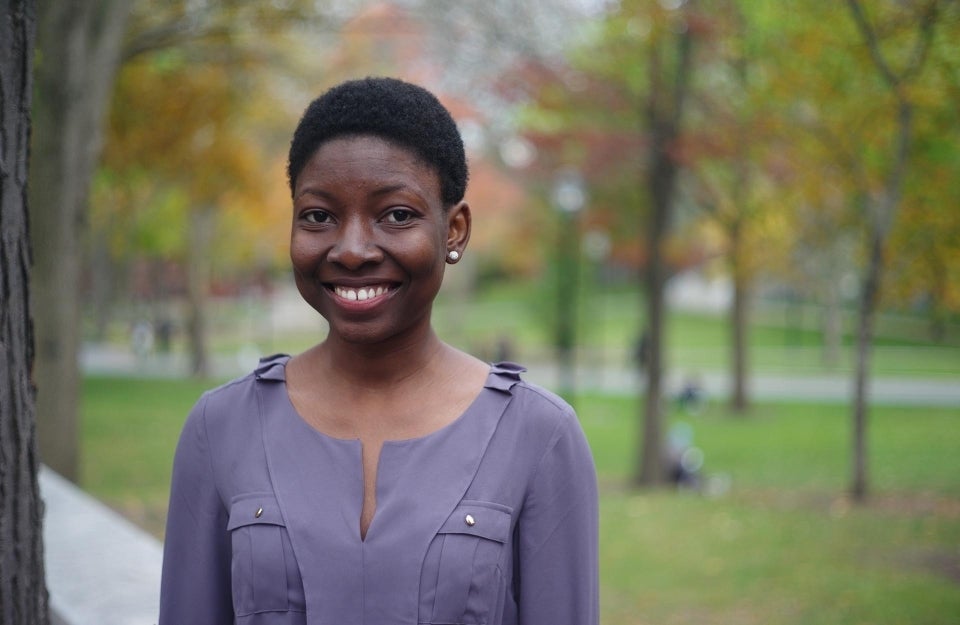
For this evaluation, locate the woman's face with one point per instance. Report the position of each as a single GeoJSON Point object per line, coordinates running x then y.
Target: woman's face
{"type": "Point", "coordinates": [370, 238]}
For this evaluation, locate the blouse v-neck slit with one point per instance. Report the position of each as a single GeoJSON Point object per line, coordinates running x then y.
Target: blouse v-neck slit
{"type": "Point", "coordinates": [383, 481]}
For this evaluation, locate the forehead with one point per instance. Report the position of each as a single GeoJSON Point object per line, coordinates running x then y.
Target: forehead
{"type": "Point", "coordinates": [367, 164]}
{"type": "Point", "coordinates": [343, 149]}
{"type": "Point", "coordinates": [367, 158]}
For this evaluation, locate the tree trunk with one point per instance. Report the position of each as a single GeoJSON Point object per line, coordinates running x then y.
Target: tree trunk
{"type": "Point", "coordinates": [738, 321]}
{"type": "Point", "coordinates": [868, 303]}
{"type": "Point", "coordinates": [198, 288]}
{"type": "Point", "coordinates": [23, 593]}
{"type": "Point", "coordinates": [650, 469]}
{"type": "Point", "coordinates": [882, 211]}
{"type": "Point", "coordinates": [78, 50]}
{"type": "Point", "coordinates": [739, 305]}
{"type": "Point", "coordinates": [664, 108]}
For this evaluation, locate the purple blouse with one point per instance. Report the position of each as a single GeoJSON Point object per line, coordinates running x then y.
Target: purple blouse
{"type": "Point", "coordinates": [491, 520]}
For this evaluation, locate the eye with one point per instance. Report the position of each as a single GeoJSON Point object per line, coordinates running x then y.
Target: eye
{"type": "Point", "coordinates": [399, 216]}
{"type": "Point", "coordinates": [316, 217]}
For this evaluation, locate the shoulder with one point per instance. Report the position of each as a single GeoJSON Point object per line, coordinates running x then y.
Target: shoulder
{"type": "Point", "coordinates": [537, 412]}
{"type": "Point", "coordinates": [224, 400]}
{"type": "Point", "coordinates": [542, 406]}
{"type": "Point", "coordinates": [237, 400]}
{"type": "Point", "coordinates": [537, 401]}
{"type": "Point", "coordinates": [548, 434]}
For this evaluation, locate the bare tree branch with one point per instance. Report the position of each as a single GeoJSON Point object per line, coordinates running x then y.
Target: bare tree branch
{"type": "Point", "coordinates": [873, 45]}
{"type": "Point", "coordinates": [869, 33]}
{"type": "Point", "coordinates": [924, 38]}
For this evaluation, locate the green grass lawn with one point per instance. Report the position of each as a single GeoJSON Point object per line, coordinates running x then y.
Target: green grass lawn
{"type": "Point", "coordinates": [129, 429]}
{"type": "Point", "coordinates": [781, 545]}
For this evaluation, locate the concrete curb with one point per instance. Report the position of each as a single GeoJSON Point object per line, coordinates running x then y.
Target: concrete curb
{"type": "Point", "coordinates": [101, 569]}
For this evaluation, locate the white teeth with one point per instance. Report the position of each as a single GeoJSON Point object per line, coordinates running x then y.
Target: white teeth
{"type": "Point", "coordinates": [362, 294]}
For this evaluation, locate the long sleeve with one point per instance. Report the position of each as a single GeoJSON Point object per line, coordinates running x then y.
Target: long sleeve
{"type": "Point", "coordinates": [558, 535]}
{"type": "Point", "coordinates": [195, 587]}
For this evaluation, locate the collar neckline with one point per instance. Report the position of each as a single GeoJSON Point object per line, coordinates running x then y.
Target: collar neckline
{"type": "Point", "coordinates": [502, 376]}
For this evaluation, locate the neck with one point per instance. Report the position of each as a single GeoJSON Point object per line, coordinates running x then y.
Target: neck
{"type": "Point", "coordinates": [380, 366]}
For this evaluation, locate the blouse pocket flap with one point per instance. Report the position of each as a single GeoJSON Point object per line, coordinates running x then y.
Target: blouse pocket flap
{"type": "Point", "coordinates": [254, 509]}
{"type": "Point", "coordinates": [479, 518]}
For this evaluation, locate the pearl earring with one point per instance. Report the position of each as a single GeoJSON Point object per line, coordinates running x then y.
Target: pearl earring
{"type": "Point", "coordinates": [453, 256]}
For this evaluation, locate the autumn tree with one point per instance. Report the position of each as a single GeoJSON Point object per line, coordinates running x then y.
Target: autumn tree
{"type": "Point", "coordinates": [669, 76]}
{"type": "Point", "coordinates": [175, 177]}
{"type": "Point", "coordinates": [23, 594]}
{"type": "Point", "coordinates": [858, 90]}
{"type": "Point", "coordinates": [924, 264]}
{"type": "Point", "coordinates": [661, 80]}
{"type": "Point", "coordinates": [620, 109]}
{"type": "Point", "coordinates": [732, 162]}
{"type": "Point", "coordinates": [882, 192]}
{"type": "Point", "coordinates": [78, 53]}
{"type": "Point", "coordinates": [924, 247]}
{"type": "Point", "coordinates": [80, 47]}
{"type": "Point", "coordinates": [813, 90]}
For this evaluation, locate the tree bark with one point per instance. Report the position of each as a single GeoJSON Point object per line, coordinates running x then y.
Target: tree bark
{"type": "Point", "coordinates": [882, 209]}
{"type": "Point", "coordinates": [23, 593]}
{"type": "Point", "coordinates": [663, 114]}
{"type": "Point", "coordinates": [198, 288]}
{"type": "Point", "coordinates": [739, 306]}
{"type": "Point", "coordinates": [868, 304]}
{"type": "Point", "coordinates": [78, 48]}
{"type": "Point", "coordinates": [881, 213]}
{"type": "Point", "coordinates": [738, 320]}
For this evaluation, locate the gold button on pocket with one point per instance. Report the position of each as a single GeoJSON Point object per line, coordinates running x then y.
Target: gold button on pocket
{"type": "Point", "coordinates": [462, 574]}
{"type": "Point", "coordinates": [260, 578]}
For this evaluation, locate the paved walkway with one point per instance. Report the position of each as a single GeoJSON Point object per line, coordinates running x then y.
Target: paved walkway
{"type": "Point", "coordinates": [939, 391]}
{"type": "Point", "coordinates": [801, 388]}
{"type": "Point", "coordinates": [101, 569]}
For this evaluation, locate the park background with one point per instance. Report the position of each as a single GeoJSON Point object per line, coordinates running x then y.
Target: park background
{"type": "Point", "coordinates": [757, 199]}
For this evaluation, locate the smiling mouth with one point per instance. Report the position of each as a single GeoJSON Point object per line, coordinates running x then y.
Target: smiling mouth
{"type": "Point", "coordinates": [361, 294]}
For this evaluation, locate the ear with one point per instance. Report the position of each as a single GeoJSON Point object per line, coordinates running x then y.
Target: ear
{"type": "Point", "coordinates": [459, 222]}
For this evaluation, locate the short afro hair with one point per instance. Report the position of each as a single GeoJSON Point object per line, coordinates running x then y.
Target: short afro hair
{"type": "Point", "coordinates": [396, 111]}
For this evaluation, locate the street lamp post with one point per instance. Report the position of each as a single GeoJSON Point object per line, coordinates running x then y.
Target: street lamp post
{"type": "Point", "coordinates": [569, 198]}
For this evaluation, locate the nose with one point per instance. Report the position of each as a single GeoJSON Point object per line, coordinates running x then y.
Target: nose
{"type": "Point", "coordinates": [355, 245]}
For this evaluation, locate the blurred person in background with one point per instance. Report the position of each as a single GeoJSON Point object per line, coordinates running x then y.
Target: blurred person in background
{"type": "Point", "coordinates": [381, 476]}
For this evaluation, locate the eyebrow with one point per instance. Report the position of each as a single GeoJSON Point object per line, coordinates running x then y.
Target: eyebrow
{"type": "Point", "coordinates": [392, 188]}
{"type": "Point", "coordinates": [316, 192]}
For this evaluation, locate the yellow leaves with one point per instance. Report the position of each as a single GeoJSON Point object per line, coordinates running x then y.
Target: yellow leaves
{"type": "Point", "coordinates": [181, 137]}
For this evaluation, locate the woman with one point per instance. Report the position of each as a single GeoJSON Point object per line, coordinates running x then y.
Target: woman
{"type": "Point", "coordinates": [381, 477]}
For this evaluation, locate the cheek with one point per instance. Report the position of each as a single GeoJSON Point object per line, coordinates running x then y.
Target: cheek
{"type": "Point", "coordinates": [303, 252]}
{"type": "Point", "coordinates": [426, 256]}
